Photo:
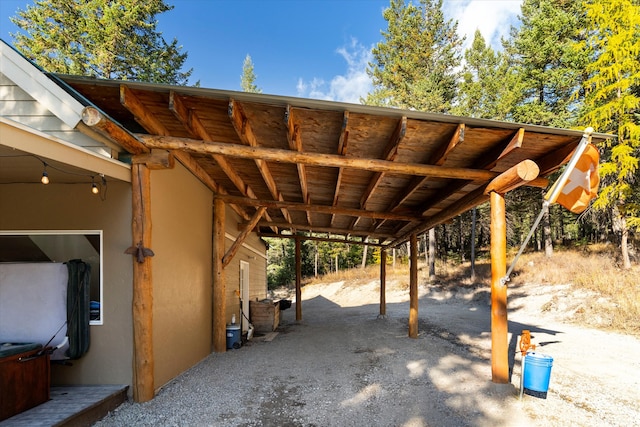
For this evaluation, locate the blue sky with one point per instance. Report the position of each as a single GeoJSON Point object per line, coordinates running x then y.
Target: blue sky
{"type": "Point", "coordinates": [306, 48]}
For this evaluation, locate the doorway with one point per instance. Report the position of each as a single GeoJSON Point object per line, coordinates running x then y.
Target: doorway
{"type": "Point", "coordinates": [244, 294]}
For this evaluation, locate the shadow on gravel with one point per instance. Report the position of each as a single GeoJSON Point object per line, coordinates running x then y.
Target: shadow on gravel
{"type": "Point", "coordinates": [348, 367]}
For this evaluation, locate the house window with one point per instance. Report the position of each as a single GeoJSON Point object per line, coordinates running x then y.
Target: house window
{"type": "Point", "coordinates": [59, 246]}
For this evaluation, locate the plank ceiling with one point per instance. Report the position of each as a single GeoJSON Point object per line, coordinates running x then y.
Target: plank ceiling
{"type": "Point", "coordinates": [352, 170]}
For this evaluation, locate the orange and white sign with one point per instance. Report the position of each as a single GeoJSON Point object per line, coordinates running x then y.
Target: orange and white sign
{"type": "Point", "coordinates": [582, 183]}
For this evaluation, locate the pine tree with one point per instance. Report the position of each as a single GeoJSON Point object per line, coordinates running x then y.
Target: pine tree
{"type": "Point", "coordinates": [612, 103]}
{"type": "Point", "coordinates": [247, 81]}
{"type": "Point", "coordinates": [549, 69]}
{"type": "Point", "coordinates": [112, 39]}
{"type": "Point", "coordinates": [486, 90]}
{"type": "Point", "coordinates": [415, 65]}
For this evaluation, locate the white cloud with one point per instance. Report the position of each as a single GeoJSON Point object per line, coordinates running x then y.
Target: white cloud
{"type": "Point", "coordinates": [492, 17]}
{"type": "Point", "coordinates": [351, 86]}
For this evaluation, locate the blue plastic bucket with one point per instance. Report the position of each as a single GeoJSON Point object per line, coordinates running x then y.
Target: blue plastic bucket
{"type": "Point", "coordinates": [537, 372]}
{"type": "Point", "coordinates": [233, 336]}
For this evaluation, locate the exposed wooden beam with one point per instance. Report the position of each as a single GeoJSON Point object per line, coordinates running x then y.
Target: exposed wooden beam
{"type": "Point", "coordinates": [295, 144]}
{"type": "Point", "coordinates": [105, 126]}
{"type": "Point", "coordinates": [155, 160]}
{"type": "Point", "coordinates": [438, 158]}
{"type": "Point", "coordinates": [245, 133]}
{"type": "Point", "coordinates": [390, 153]}
{"type": "Point", "coordinates": [473, 198]}
{"type": "Point", "coordinates": [242, 236]}
{"type": "Point", "coordinates": [243, 201]}
{"type": "Point", "coordinates": [316, 159]}
{"type": "Point", "coordinates": [141, 113]}
{"type": "Point", "coordinates": [320, 239]}
{"type": "Point", "coordinates": [553, 161]}
{"type": "Point", "coordinates": [510, 148]}
{"type": "Point", "coordinates": [343, 143]}
{"type": "Point", "coordinates": [514, 177]}
{"type": "Point", "coordinates": [318, 229]}
{"type": "Point", "coordinates": [190, 120]}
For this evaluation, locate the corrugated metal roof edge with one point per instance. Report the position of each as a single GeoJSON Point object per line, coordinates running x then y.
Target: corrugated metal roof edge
{"type": "Point", "coordinates": [283, 101]}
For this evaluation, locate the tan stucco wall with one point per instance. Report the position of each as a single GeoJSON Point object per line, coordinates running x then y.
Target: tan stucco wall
{"type": "Point", "coordinates": [254, 252]}
{"type": "Point", "coordinates": [73, 207]}
{"type": "Point", "coordinates": [182, 210]}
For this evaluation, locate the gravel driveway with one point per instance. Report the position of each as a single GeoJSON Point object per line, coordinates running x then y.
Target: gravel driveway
{"type": "Point", "coordinates": [343, 366]}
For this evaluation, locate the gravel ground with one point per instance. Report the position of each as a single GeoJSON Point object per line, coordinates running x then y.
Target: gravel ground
{"type": "Point", "coordinates": [344, 366]}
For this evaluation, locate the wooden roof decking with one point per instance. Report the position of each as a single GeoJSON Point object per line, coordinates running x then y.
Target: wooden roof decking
{"type": "Point", "coordinates": [321, 166]}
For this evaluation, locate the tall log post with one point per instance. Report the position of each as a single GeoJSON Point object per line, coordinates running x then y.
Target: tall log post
{"type": "Point", "coordinates": [413, 287]}
{"type": "Point", "coordinates": [298, 282]}
{"type": "Point", "coordinates": [143, 382]}
{"type": "Point", "coordinates": [383, 283]}
{"type": "Point", "coordinates": [219, 280]}
{"type": "Point", "coordinates": [499, 339]}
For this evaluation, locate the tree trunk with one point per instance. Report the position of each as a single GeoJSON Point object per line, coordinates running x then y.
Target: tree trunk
{"type": "Point", "coordinates": [548, 243]}
{"type": "Point", "coordinates": [624, 237]}
{"type": "Point", "coordinates": [364, 254]}
{"type": "Point", "coordinates": [315, 270]}
{"type": "Point", "coordinates": [432, 254]}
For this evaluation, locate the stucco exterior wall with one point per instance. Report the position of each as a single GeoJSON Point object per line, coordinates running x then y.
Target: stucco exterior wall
{"type": "Point", "coordinates": [182, 212]}
{"type": "Point", "coordinates": [73, 207]}
{"type": "Point", "coordinates": [252, 251]}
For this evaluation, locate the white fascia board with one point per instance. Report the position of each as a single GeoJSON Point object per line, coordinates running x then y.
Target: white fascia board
{"type": "Point", "coordinates": [24, 138]}
{"type": "Point", "coordinates": [33, 81]}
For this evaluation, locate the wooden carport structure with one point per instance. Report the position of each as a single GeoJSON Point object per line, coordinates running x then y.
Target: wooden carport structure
{"type": "Point", "coordinates": [371, 175]}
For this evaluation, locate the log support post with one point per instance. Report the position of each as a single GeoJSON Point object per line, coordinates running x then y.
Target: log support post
{"type": "Point", "coordinates": [219, 281]}
{"type": "Point", "coordinates": [298, 282]}
{"type": "Point", "coordinates": [383, 283]}
{"type": "Point", "coordinates": [520, 174]}
{"type": "Point", "coordinates": [143, 380]}
{"type": "Point", "coordinates": [413, 287]}
{"type": "Point", "coordinates": [499, 329]}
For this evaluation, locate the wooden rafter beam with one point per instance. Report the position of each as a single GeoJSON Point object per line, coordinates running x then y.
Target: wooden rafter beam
{"type": "Point", "coordinates": [192, 123]}
{"type": "Point", "coordinates": [247, 136]}
{"type": "Point", "coordinates": [343, 143]}
{"type": "Point", "coordinates": [501, 153]}
{"type": "Point", "coordinates": [553, 161]}
{"type": "Point", "coordinates": [318, 229]}
{"type": "Point", "coordinates": [142, 115]}
{"type": "Point", "coordinates": [390, 153]}
{"type": "Point", "coordinates": [321, 239]}
{"type": "Point", "coordinates": [105, 126]}
{"type": "Point", "coordinates": [520, 174]}
{"type": "Point", "coordinates": [295, 144]}
{"type": "Point", "coordinates": [472, 199]}
{"type": "Point", "coordinates": [272, 204]}
{"type": "Point", "coordinates": [316, 159]}
{"type": "Point", "coordinates": [437, 159]}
